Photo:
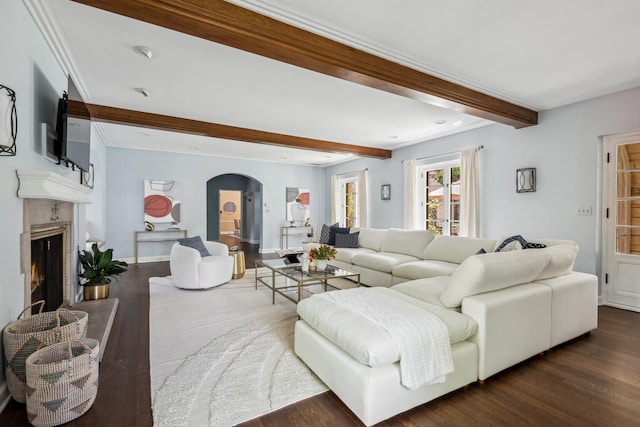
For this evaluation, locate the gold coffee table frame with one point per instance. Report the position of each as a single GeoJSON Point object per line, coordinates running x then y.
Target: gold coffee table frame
{"type": "Point", "coordinates": [281, 273]}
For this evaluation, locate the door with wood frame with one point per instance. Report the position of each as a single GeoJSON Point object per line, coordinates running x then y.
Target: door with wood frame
{"type": "Point", "coordinates": [621, 220]}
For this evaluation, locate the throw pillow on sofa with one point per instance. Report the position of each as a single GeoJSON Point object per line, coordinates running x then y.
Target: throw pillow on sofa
{"type": "Point", "coordinates": [325, 233]}
{"type": "Point", "coordinates": [195, 243]}
{"type": "Point", "coordinates": [336, 230]}
{"type": "Point", "coordinates": [516, 243]}
{"type": "Point", "coordinates": [347, 240]}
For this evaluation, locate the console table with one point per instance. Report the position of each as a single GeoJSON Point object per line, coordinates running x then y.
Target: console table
{"type": "Point", "coordinates": [156, 236]}
{"type": "Point", "coordinates": [285, 232]}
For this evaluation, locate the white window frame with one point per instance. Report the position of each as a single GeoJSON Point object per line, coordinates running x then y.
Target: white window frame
{"type": "Point", "coordinates": [421, 177]}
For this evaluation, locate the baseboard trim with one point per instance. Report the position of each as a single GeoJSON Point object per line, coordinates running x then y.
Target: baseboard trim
{"type": "Point", "coordinates": [142, 260]}
{"type": "Point", "coordinates": [267, 250]}
{"type": "Point", "coordinates": [4, 396]}
{"type": "Point", "coordinates": [622, 306]}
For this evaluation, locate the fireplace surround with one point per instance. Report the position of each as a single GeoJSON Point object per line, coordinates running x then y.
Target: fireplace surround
{"type": "Point", "coordinates": [50, 207]}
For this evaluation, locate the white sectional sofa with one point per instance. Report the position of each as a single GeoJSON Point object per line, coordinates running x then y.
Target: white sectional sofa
{"type": "Point", "coordinates": [386, 257]}
{"type": "Point", "coordinates": [499, 309]}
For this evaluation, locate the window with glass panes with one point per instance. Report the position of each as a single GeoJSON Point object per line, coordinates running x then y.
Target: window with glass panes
{"type": "Point", "coordinates": [440, 198]}
{"type": "Point", "coordinates": [348, 208]}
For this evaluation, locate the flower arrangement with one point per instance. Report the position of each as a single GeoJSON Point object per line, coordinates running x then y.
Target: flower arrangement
{"type": "Point", "coordinates": [323, 252]}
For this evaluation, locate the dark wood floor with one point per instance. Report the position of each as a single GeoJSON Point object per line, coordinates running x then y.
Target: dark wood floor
{"type": "Point", "coordinates": [591, 381]}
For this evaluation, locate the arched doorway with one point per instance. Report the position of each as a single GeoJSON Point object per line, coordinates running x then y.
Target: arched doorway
{"type": "Point", "coordinates": [250, 207]}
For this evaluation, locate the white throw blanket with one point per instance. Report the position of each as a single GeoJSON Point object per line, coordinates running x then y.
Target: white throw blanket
{"type": "Point", "coordinates": [421, 337]}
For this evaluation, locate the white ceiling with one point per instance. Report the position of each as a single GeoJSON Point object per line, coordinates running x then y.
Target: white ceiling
{"type": "Point", "coordinates": [539, 55]}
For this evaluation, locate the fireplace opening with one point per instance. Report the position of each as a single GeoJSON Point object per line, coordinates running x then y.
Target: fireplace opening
{"type": "Point", "coordinates": [47, 269]}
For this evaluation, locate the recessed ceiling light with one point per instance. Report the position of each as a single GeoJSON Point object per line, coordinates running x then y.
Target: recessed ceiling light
{"type": "Point", "coordinates": [143, 91]}
{"type": "Point", "coordinates": [194, 148]}
{"type": "Point", "coordinates": [327, 157]}
{"type": "Point", "coordinates": [441, 122]}
{"type": "Point", "coordinates": [283, 158]}
{"type": "Point", "coordinates": [144, 51]}
{"type": "Point", "coordinates": [458, 123]}
{"type": "Point", "coordinates": [392, 136]}
{"type": "Point", "coordinates": [143, 134]}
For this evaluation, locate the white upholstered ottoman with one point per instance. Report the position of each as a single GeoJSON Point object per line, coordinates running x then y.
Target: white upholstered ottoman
{"type": "Point", "coordinates": [360, 363]}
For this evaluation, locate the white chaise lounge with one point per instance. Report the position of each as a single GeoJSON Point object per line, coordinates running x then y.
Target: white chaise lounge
{"type": "Point", "coordinates": [499, 309]}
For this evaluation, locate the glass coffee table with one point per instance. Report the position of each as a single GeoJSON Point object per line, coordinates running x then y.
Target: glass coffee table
{"type": "Point", "coordinates": [290, 281]}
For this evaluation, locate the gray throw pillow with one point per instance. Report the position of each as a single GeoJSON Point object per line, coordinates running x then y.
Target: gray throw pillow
{"type": "Point", "coordinates": [325, 233]}
{"type": "Point", "coordinates": [195, 243]}
{"type": "Point", "coordinates": [347, 240]}
{"type": "Point", "coordinates": [517, 242]}
{"type": "Point", "coordinates": [334, 231]}
{"type": "Point", "coordinates": [513, 243]}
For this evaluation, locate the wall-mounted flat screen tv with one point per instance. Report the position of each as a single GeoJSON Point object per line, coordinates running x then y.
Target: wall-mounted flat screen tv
{"type": "Point", "coordinates": [73, 129]}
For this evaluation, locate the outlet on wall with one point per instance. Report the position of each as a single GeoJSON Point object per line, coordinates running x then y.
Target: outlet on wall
{"type": "Point", "coordinates": [584, 211]}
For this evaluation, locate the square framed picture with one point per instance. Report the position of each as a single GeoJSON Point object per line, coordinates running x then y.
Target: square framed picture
{"type": "Point", "coordinates": [385, 192]}
{"type": "Point", "coordinates": [526, 180]}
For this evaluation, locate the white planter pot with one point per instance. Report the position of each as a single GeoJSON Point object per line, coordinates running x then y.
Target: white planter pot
{"type": "Point", "coordinates": [321, 264]}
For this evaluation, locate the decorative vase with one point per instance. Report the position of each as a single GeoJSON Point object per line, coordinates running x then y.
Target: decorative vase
{"type": "Point", "coordinates": [92, 292]}
{"type": "Point", "coordinates": [321, 264]}
{"type": "Point", "coordinates": [304, 262]}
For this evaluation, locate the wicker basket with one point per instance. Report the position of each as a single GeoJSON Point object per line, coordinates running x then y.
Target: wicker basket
{"type": "Point", "coordinates": [62, 381]}
{"type": "Point", "coordinates": [22, 337]}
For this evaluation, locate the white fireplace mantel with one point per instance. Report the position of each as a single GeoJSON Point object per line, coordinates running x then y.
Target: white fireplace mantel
{"type": "Point", "coordinates": [39, 184]}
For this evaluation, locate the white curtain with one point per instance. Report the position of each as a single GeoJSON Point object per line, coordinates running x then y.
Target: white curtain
{"type": "Point", "coordinates": [410, 222]}
{"type": "Point", "coordinates": [469, 193]}
{"type": "Point", "coordinates": [361, 191]}
{"type": "Point", "coordinates": [335, 195]}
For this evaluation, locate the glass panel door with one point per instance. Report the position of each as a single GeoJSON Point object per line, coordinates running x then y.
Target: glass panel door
{"type": "Point", "coordinates": [434, 206]}
{"type": "Point", "coordinates": [454, 194]}
{"type": "Point", "coordinates": [350, 203]}
{"type": "Point", "coordinates": [621, 220]}
{"type": "Point", "coordinates": [628, 199]}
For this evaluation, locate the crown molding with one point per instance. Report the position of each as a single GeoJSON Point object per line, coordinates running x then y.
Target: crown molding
{"type": "Point", "coordinates": [61, 50]}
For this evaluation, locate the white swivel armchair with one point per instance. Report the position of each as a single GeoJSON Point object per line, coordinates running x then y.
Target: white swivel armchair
{"type": "Point", "coordinates": [190, 270]}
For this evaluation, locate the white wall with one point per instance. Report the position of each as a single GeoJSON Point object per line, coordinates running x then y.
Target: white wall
{"type": "Point", "coordinates": [127, 169]}
{"type": "Point", "coordinates": [96, 211]}
{"type": "Point", "coordinates": [565, 150]}
{"type": "Point", "coordinates": [29, 68]}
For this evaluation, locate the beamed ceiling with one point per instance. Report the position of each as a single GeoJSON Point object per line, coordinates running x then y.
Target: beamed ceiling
{"type": "Point", "coordinates": [269, 72]}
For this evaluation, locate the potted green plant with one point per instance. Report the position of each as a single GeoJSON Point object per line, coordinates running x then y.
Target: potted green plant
{"type": "Point", "coordinates": [97, 269]}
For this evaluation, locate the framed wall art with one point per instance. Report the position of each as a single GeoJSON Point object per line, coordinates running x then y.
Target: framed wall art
{"type": "Point", "coordinates": [385, 192]}
{"type": "Point", "coordinates": [162, 201]}
{"type": "Point", "coordinates": [8, 121]}
{"type": "Point", "coordinates": [298, 201]}
{"type": "Point", "coordinates": [526, 180]}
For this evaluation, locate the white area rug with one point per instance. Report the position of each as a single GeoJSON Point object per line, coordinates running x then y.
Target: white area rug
{"type": "Point", "coordinates": [224, 355]}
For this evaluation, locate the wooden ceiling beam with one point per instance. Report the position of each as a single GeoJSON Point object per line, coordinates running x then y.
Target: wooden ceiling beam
{"type": "Point", "coordinates": [101, 113]}
{"type": "Point", "coordinates": [234, 26]}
